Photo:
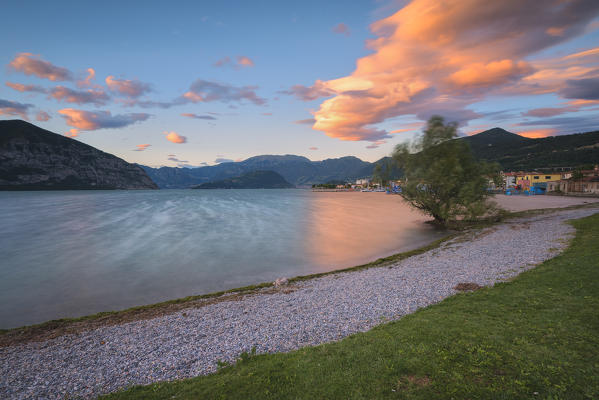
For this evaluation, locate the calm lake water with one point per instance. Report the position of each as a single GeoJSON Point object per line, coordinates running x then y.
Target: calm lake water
{"type": "Point", "coordinates": [72, 253]}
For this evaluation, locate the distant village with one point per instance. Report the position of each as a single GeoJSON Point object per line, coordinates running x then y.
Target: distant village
{"type": "Point", "coordinates": [585, 181]}
{"type": "Point", "coordinates": [571, 182]}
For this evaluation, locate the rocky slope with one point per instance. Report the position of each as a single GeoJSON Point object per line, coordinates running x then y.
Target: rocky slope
{"type": "Point", "coordinates": [32, 158]}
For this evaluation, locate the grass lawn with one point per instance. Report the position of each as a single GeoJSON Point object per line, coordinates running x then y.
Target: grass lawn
{"type": "Point", "coordinates": [536, 337]}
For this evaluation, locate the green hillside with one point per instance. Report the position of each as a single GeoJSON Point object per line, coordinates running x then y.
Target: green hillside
{"type": "Point", "coordinates": [251, 180]}
{"type": "Point", "coordinates": [515, 153]}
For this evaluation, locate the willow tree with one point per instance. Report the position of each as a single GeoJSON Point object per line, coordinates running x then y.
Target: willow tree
{"type": "Point", "coordinates": [441, 176]}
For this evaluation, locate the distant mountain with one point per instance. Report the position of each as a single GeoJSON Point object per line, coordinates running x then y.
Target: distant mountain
{"type": "Point", "coordinates": [32, 158]}
{"type": "Point", "coordinates": [514, 152]}
{"type": "Point", "coordinates": [295, 169]}
{"type": "Point", "coordinates": [251, 180]}
{"type": "Point", "coordinates": [511, 151]}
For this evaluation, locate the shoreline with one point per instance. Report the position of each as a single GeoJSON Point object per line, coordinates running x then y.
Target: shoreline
{"type": "Point", "coordinates": [63, 326]}
{"type": "Point", "coordinates": [307, 312]}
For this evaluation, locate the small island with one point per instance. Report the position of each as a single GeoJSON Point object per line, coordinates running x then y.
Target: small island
{"type": "Point", "coordinates": [251, 180]}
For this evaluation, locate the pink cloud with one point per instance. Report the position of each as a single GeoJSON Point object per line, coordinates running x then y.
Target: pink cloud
{"type": "Point", "coordinates": [26, 88]}
{"type": "Point", "coordinates": [8, 107]}
{"type": "Point", "coordinates": [376, 144]}
{"type": "Point", "coordinates": [91, 74]}
{"type": "Point", "coordinates": [202, 91]}
{"type": "Point", "coordinates": [313, 148]}
{"type": "Point", "coordinates": [196, 116]}
{"type": "Point", "coordinates": [244, 61]}
{"type": "Point", "coordinates": [341, 29]}
{"type": "Point", "coordinates": [239, 62]}
{"type": "Point", "coordinates": [309, 93]}
{"type": "Point", "coordinates": [42, 116]}
{"type": "Point", "coordinates": [30, 64]}
{"type": "Point", "coordinates": [89, 121]}
{"type": "Point", "coordinates": [93, 96]}
{"type": "Point", "coordinates": [549, 111]}
{"type": "Point", "coordinates": [175, 137]}
{"type": "Point", "coordinates": [130, 88]}
{"type": "Point", "coordinates": [308, 121]}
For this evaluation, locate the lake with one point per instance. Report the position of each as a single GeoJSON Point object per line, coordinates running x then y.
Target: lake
{"type": "Point", "coordinates": [73, 253]}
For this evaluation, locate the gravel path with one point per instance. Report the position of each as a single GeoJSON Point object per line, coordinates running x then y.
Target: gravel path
{"type": "Point", "coordinates": [190, 342]}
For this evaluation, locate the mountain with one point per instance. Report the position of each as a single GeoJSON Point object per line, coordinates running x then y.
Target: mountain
{"type": "Point", "coordinates": [251, 180]}
{"type": "Point", "coordinates": [514, 152]}
{"type": "Point", "coordinates": [295, 169]}
{"type": "Point", "coordinates": [32, 158]}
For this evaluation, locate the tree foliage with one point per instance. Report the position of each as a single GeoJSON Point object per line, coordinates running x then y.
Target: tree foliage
{"type": "Point", "coordinates": [441, 176]}
{"type": "Point", "coordinates": [381, 173]}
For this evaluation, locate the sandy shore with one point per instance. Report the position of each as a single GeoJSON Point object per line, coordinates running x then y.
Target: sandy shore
{"type": "Point", "coordinates": [522, 203]}
{"type": "Point", "coordinates": [192, 341]}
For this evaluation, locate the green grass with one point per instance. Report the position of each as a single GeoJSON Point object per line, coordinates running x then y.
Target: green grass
{"type": "Point", "coordinates": [534, 337]}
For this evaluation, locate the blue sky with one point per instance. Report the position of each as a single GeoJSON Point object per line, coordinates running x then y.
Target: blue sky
{"type": "Point", "coordinates": [251, 70]}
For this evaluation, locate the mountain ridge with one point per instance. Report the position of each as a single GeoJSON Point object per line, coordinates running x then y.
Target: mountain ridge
{"type": "Point", "coordinates": [33, 158]}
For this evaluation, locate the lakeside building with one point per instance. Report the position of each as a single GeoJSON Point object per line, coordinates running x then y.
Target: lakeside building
{"type": "Point", "coordinates": [528, 180]}
{"type": "Point", "coordinates": [509, 179]}
{"type": "Point", "coordinates": [587, 184]}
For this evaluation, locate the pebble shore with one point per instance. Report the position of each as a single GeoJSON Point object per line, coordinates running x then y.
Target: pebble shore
{"type": "Point", "coordinates": [192, 342]}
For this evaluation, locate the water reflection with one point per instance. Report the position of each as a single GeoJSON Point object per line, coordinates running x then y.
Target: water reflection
{"type": "Point", "coordinates": [346, 229]}
{"type": "Point", "coordinates": [66, 254]}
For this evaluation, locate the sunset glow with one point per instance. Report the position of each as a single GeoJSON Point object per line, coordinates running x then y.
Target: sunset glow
{"type": "Point", "coordinates": [255, 88]}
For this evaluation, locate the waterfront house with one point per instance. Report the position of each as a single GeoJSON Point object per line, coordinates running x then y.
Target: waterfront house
{"type": "Point", "coordinates": [509, 179]}
{"type": "Point", "coordinates": [587, 184]}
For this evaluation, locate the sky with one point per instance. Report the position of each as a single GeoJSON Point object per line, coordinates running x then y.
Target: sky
{"type": "Point", "coordinates": [199, 83]}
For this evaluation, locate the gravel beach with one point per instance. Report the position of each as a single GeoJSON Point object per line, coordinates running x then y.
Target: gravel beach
{"type": "Point", "coordinates": [191, 342]}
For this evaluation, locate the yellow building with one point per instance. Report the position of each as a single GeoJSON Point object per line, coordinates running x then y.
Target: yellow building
{"type": "Point", "coordinates": [530, 179]}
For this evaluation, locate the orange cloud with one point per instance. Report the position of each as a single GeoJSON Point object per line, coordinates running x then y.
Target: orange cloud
{"type": "Point", "coordinates": [491, 74]}
{"type": "Point", "coordinates": [538, 133]}
{"type": "Point", "coordinates": [30, 64]}
{"type": "Point", "coordinates": [442, 56]}
{"type": "Point", "coordinates": [175, 137]}
{"type": "Point", "coordinates": [73, 132]}
{"type": "Point", "coordinates": [88, 121]}
{"type": "Point", "coordinates": [129, 88]}
{"type": "Point", "coordinates": [244, 61]}
{"type": "Point", "coordinates": [312, 148]}
{"type": "Point", "coordinates": [141, 147]}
